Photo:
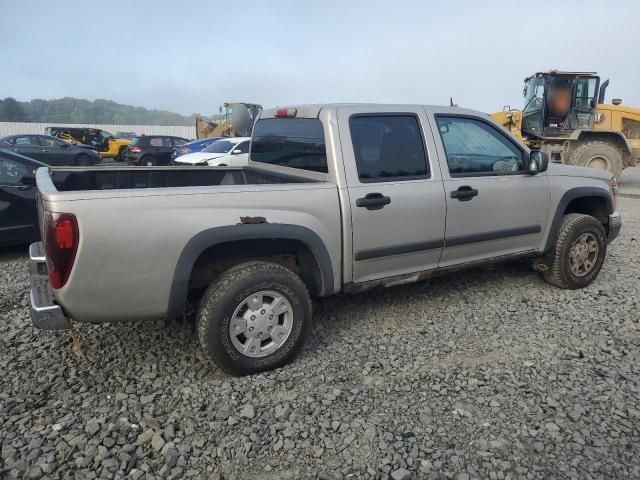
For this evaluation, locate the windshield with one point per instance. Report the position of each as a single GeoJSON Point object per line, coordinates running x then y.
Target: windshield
{"type": "Point", "coordinates": [534, 95]}
{"type": "Point", "coordinates": [221, 146]}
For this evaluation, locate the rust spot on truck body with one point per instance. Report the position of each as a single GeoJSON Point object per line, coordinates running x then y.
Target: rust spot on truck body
{"type": "Point", "coordinates": [252, 220]}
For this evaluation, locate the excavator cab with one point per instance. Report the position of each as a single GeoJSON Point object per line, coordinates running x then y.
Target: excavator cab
{"type": "Point", "coordinates": [557, 103]}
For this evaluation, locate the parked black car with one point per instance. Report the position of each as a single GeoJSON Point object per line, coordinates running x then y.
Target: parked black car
{"type": "Point", "coordinates": [152, 149]}
{"type": "Point", "coordinates": [51, 150]}
{"type": "Point", "coordinates": [18, 212]}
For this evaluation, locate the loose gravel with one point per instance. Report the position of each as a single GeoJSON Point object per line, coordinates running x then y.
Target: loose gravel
{"type": "Point", "coordinates": [487, 374]}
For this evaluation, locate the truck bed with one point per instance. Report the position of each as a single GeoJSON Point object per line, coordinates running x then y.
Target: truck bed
{"type": "Point", "coordinates": [72, 179]}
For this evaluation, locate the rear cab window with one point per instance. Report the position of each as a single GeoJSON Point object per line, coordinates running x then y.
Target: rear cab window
{"type": "Point", "coordinates": [290, 142]}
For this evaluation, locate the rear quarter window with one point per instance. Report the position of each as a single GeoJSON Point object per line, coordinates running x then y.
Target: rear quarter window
{"type": "Point", "coordinates": [290, 142]}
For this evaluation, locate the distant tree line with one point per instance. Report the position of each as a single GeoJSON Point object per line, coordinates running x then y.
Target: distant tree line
{"type": "Point", "coordinates": [77, 110]}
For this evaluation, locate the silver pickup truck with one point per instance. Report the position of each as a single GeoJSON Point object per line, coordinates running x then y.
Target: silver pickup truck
{"type": "Point", "coordinates": [336, 198]}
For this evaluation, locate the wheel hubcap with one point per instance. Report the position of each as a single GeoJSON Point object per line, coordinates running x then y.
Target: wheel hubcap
{"type": "Point", "coordinates": [598, 162]}
{"type": "Point", "coordinates": [261, 324]}
{"type": "Point", "coordinates": [583, 254]}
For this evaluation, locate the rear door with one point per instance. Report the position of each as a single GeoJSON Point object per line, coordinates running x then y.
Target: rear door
{"type": "Point", "coordinates": [395, 191]}
{"type": "Point", "coordinates": [18, 213]}
{"type": "Point", "coordinates": [494, 206]}
{"type": "Point", "coordinates": [28, 145]}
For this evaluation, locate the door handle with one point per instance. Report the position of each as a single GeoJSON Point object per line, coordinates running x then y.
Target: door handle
{"type": "Point", "coordinates": [465, 193]}
{"type": "Point", "coordinates": [45, 150]}
{"type": "Point", "coordinates": [373, 201]}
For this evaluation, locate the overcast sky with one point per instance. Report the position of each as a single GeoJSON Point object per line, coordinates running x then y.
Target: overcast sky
{"type": "Point", "coordinates": [190, 56]}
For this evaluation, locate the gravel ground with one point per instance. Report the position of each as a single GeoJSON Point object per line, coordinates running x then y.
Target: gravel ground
{"type": "Point", "coordinates": [488, 374]}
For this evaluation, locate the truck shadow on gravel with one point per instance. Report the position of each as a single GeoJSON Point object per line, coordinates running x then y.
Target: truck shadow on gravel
{"type": "Point", "coordinates": [155, 346]}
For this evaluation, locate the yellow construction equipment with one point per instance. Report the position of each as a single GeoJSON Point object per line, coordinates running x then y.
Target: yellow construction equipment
{"type": "Point", "coordinates": [565, 115]}
{"type": "Point", "coordinates": [237, 121]}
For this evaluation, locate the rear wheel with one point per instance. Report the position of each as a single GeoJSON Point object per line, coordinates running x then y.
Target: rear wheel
{"type": "Point", "coordinates": [579, 252]}
{"type": "Point", "coordinates": [121, 153]}
{"type": "Point", "coordinates": [149, 161]}
{"type": "Point", "coordinates": [83, 160]}
{"type": "Point", "coordinates": [254, 317]}
{"type": "Point", "coordinates": [600, 155]}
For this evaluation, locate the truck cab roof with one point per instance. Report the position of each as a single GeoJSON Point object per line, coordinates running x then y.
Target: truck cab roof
{"type": "Point", "coordinates": [313, 110]}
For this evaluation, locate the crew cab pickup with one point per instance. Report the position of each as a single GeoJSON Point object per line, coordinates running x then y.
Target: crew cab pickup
{"type": "Point", "coordinates": [335, 199]}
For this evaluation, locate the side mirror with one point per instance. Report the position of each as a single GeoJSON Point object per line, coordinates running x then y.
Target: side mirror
{"type": "Point", "coordinates": [236, 151]}
{"type": "Point", "coordinates": [538, 161]}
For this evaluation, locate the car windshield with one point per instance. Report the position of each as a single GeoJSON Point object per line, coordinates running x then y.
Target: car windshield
{"type": "Point", "coordinates": [221, 146]}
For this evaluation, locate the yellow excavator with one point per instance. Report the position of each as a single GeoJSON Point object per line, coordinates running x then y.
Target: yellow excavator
{"type": "Point", "coordinates": [237, 121]}
{"type": "Point", "coordinates": [565, 115]}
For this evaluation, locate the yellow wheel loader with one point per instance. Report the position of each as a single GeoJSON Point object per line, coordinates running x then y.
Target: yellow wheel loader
{"type": "Point", "coordinates": [565, 115]}
{"type": "Point", "coordinates": [237, 121]}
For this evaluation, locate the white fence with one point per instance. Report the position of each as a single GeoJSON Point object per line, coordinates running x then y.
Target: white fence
{"type": "Point", "coordinates": [15, 128]}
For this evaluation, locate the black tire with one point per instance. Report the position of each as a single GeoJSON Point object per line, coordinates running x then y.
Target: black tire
{"type": "Point", "coordinates": [572, 228]}
{"type": "Point", "coordinates": [228, 293]}
{"type": "Point", "coordinates": [121, 154]}
{"type": "Point", "coordinates": [149, 161]}
{"type": "Point", "coordinates": [83, 160]}
{"type": "Point", "coordinates": [601, 155]}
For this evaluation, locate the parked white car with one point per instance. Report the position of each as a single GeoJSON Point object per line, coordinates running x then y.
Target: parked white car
{"type": "Point", "coordinates": [229, 152]}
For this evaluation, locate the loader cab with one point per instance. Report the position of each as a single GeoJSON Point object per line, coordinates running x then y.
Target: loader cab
{"type": "Point", "coordinates": [557, 103]}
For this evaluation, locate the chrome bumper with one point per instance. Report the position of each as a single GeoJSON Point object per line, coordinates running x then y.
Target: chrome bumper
{"type": "Point", "coordinates": [45, 312]}
{"type": "Point", "coordinates": [614, 226]}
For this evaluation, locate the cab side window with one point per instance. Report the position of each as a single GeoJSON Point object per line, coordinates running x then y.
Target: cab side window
{"type": "Point", "coordinates": [475, 148]}
{"type": "Point", "coordinates": [388, 148]}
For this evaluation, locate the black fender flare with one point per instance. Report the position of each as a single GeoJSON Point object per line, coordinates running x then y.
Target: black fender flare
{"type": "Point", "coordinates": [218, 235]}
{"type": "Point", "coordinates": [567, 198]}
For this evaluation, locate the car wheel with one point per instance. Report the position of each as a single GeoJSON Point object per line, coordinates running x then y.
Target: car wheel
{"type": "Point", "coordinates": [600, 155]}
{"type": "Point", "coordinates": [579, 252]}
{"type": "Point", "coordinates": [149, 161]}
{"type": "Point", "coordinates": [254, 317]}
{"type": "Point", "coordinates": [83, 160]}
{"type": "Point", "coordinates": [121, 154]}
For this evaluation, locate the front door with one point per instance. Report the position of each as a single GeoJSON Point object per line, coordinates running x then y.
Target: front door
{"type": "Point", "coordinates": [396, 196]}
{"type": "Point", "coordinates": [494, 206]}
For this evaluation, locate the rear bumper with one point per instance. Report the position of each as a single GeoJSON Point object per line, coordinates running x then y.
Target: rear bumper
{"type": "Point", "coordinates": [614, 226]}
{"type": "Point", "coordinates": [45, 312]}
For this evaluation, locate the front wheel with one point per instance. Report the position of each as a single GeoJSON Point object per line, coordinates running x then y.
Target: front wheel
{"type": "Point", "coordinates": [579, 252]}
{"type": "Point", "coordinates": [254, 317]}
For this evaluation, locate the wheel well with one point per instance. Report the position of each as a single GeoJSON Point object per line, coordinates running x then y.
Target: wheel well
{"type": "Point", "coordinates": [292, 254]}
{"type": "Point", "coordinates": [595, 206]}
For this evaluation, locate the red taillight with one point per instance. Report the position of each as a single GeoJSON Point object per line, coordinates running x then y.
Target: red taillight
{"type": "Point", "coordinates": [135, 149]}
{"type": "Point", "coordinates": [286, 112]}
{"type": "Point", "coordinates": [61, 239]}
